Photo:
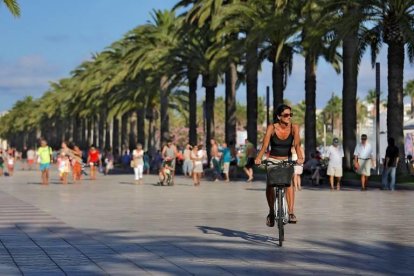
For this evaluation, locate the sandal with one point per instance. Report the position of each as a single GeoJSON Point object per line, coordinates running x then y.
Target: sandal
{"type": "Point", "coordinates": [292, 218]}
{"type": "Point", "coordinates": [270, 220]}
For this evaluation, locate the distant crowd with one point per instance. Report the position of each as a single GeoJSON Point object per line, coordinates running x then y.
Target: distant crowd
{"type": "Point", "coordinates": [190, 160]}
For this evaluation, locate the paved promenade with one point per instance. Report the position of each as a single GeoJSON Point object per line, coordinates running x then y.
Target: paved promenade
{"type": "Point", "coordinates": [112, 226]}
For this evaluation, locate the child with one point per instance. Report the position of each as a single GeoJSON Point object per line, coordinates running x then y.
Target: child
{"type": "Point", "coordinates": [165, 170]}
{"type": "Point", "coordinates": [64, 167]}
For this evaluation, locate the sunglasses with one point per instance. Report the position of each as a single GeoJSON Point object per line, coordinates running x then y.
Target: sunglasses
{"type": "Point", "coordinates": [287, 115]}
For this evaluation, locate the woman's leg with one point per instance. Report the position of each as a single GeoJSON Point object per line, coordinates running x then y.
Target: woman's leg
{"type": "Point", "coordinates": [140, 171]}
{"type": "Point", "coordinates": [290, 198]}
{"type": "Point", "coordinates": [270, 196]}
{"type": "Point", "coordinates": [136, 173]}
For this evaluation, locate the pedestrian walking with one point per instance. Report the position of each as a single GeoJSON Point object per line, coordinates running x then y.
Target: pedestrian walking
{"type": "Point", "coordinates": [1, 162]}
{"type": "Point", "coordinates": [11, 160]}
{"type": "Point", "coordinates": [77, 164]}
{"type": "Point", "coordinates": [335, 153]}
{"type": "Point", "coordinates": [31, 157]}
{"type": "Point", "coordinates": [225, 158]}
{"type": "Point", "coordinates": [24, 158]}
{"type": "Point", "coordinates": [63, 167]}
{"type": "Point", "coordinates": [390, 165]}
{"type": "Point", "coordinates": [298, 170]}
{"type": "Point", "coordinates": [109, 161]}
{"type": "Point", "coordinates": [250, 153]}
{"type": "Point", "coordinates": [44, 153]}
{"type": "Point", "coordinates": [215, 160]}
{"type": "Point", "coordinates": [188, 163]}
{"type": "Point", "coordinates": [363, 161]}
{"type": "Point", "coordinates": [197, 156]}
{"type": "Point", "coordinates": [138, 162]}
{"type": "Point", "coordinates": [94, 161]}
{"type": "Point", "coordinates": [169, 151]}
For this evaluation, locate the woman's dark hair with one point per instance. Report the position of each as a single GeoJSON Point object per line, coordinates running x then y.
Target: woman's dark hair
{"type": "Point", "coordinates": [279, 111]}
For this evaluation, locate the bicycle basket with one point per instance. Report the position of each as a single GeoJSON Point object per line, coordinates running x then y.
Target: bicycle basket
{"type": "Point", "coordinates": [279, 175]}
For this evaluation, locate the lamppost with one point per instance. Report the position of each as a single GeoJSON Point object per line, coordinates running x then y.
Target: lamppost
{"type": "Point", "coordinates": [377, 115]}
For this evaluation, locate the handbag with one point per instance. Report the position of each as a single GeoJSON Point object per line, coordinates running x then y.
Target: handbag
{"type": "Point", "coordinates": [280, 175]}
{"type": "Point", "coordinates": [132, 164]}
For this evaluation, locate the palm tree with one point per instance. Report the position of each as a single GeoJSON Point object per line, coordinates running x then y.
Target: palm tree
{"type": "Point", "coordinates": [315, 42]}
{"type": "Point", "coordinates": [13, 7]}
{"type": "Point", "coordinates": [391, 23]}
{"type": "Point", "coordinates": [332, 113]}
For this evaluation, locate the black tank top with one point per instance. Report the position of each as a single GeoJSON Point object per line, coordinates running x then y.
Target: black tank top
{"type": "Point", "coordinates": [279, 147]}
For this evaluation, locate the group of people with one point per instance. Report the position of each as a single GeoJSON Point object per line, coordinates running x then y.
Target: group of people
{"type": "Point", "coordinates": [195, 164]}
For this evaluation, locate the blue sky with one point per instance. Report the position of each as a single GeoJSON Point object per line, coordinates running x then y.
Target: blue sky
{"type": "Point", "coordinates": [52, 37]}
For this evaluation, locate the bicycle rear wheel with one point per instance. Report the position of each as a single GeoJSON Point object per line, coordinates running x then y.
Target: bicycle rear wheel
{"type": "Point", "coordinates": [280, 215]}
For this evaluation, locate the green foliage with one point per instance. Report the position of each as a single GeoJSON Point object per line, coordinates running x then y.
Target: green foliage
{"type": "Point", "coordinates": [13, 7]}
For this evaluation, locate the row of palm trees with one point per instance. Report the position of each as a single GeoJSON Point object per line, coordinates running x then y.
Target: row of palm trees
{"type": "Point", "coordinates": [153, 70]}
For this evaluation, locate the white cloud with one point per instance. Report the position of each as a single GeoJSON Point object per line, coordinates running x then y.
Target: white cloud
{"type": "Point", "coordinates": [26, 72]}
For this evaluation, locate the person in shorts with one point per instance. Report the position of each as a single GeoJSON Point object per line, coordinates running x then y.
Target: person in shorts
{"type": "Point", "coordinates": [226, 158]}
{"type": "Point", "coordinates": [335, 153]}
{"type": "Point", "coordinates": [297, 181]}
{"type": "Point", "coordinates": [31, 156]}
{"type": "Point", "coordinates": [94, 161]}
{"type": "Point", "coordinates": [1, 162]}
{"type": "Point", "coordinates": [44, 152]}
{"type": "Point", "coordinates": [250, 153]}
{"type": "Point", "coordinates": [363, 160]}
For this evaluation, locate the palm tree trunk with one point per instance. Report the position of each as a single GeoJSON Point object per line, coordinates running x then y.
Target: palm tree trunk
{"type": "Point", "coordinates": [395, 110]}
{"type": "Point", "coordinates": [349, 96]}
{"type": "Point", "coordinates": [252, 67]}
{"type": "Point", "coordinates": [124, 131]}
{"type": "Point", "coordinates": [132, 129]}
{"type": "Point", "coordinates": [277, 83]}
{"type": "Point", "coordinates": [165, 120]}
{"type": "Point", "coordinates": [192, 101]}
{"type": "Point", "coordinates": [101, 126]}
{"type": "Point", "coordinates": [310, 101]}
{"type": "Point", "coordinates": [108, 126]}
{"type": "Point", "coordinates": [210, 83]}
{"type": "Point", "coordinates": [84, 128]}
{"type": "Point", "coordinates": [231, 120]}
{"type": "Point", "coordinates": [141, 126]}
{"type": "Point", "coordinates": [115, 136]}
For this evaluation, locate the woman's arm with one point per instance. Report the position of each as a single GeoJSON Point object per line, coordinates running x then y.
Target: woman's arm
{"type": "Point", "coordinates": [298, 147]}
{"type": "Point", "coordinates": [265, 143]}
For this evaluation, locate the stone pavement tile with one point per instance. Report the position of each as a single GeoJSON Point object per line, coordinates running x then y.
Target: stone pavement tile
{"type": "Point", "coordinates": [82, 269]}
{"type": "Point", "coordinates": [9, 270]}
{"type": "Point", "coordinates": [162, 267]}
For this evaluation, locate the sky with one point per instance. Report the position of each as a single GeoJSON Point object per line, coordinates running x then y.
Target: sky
{"type": "Point", "coordinates": [51, 38]}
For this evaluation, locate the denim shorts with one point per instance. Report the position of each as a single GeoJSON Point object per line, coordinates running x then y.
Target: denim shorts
{"type": "Point", "coordinates": [44, 166]}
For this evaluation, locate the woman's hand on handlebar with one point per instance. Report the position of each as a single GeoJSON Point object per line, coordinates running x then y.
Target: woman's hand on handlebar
{"type": "Point", "coordinates": [258, 161]}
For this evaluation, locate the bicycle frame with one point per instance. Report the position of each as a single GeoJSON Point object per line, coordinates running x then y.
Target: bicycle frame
{"type": "Point", "coordinates": [280, 212]}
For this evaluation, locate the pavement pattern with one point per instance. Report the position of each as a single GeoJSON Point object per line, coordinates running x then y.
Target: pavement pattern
{"type": "Point", "coordinates": [112, 226]}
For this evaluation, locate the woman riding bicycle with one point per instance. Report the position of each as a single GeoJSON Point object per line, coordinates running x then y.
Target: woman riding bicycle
{"type": "Point", "coordinates": [281, 135]}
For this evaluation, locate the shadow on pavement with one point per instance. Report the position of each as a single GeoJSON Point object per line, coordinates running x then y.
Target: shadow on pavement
{"type": "Point", "coordinates": [47, 249]}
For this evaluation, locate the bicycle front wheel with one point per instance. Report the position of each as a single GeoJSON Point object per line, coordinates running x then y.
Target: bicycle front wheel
{"type": "Point", "coordinates": [280, 216]}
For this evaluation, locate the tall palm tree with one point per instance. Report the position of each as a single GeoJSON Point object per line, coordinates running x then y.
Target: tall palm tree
{"type": "Point", "coordinates": [315, 43]}
{"type": "Point", "coordinates": [391, 22]}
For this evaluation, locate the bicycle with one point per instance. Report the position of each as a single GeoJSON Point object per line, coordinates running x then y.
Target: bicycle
{"type": "Point", "coordinates": [280, 204]}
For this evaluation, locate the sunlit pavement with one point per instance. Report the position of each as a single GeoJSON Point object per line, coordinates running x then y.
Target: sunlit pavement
{"type": "Point", "coordinates": [113, 226]}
